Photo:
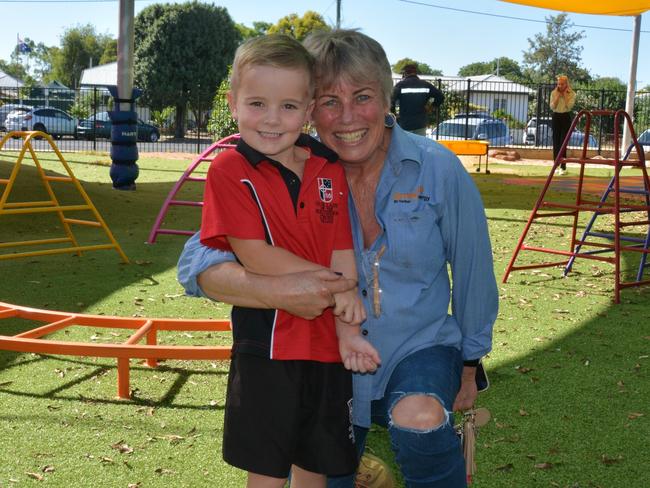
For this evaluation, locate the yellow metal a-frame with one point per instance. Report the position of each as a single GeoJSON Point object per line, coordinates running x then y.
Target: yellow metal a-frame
{"type": "Point", "coordinates": [49, 206]}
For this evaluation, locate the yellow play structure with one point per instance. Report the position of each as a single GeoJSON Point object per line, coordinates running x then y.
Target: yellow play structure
{"type": "Point", "coordinates": [56, 245]}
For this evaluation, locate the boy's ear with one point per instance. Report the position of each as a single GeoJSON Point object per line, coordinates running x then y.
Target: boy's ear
{"type": "Point", "coordinates": [230, 96]}
{"type": "Point", "coordinates": [310, 109]}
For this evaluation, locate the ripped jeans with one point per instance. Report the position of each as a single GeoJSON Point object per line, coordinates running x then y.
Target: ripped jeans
{"type": "Point", "coordinates": [431, 458]}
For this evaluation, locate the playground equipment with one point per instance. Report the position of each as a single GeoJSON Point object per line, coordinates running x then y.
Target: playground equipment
{"type": "Point", "coordinates": [611, 204]}
{"type": "Point", "coordinates": [205, 157]}
{"type": "Point", "coordinates": [33, 340]}
{"type": "Point", "coordinates": [469, 148]}
{"type": "Point", "coordinates": [52, 205]}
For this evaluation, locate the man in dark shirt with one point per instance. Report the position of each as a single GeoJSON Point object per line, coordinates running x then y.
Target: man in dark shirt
{"type": "Point", "coordinates": [412, 96]}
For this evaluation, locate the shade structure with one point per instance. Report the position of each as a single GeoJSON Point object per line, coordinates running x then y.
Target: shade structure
{"type": "Point", "coordinates": [598, 7]}
{"type": "Point", "coordinates": [633, 8]}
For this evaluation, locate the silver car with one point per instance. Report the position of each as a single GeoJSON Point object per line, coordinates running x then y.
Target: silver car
{"type": "Point", "coordinates": [50, 120]}
{"type": "Point", "coordinates": [7, 108]}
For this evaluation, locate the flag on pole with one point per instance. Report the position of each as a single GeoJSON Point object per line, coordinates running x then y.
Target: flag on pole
{"type": "Point", "coordinates": [22, 46]}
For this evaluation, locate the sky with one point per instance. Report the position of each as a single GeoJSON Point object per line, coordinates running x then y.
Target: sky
{"type": "Point", "coordinates": [445, 35]}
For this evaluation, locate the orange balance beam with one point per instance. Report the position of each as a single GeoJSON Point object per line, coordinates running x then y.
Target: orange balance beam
{"type": "Point", "coordinates": [32, 340]}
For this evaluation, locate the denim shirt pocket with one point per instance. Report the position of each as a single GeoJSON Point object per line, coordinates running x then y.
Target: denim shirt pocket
{"type": "Point", "coordinates": [414, 240]}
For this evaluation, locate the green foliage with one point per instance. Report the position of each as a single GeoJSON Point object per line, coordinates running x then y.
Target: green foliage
{"type": "Point", "coordinates": [299, 27]}
{"type": "Point", "coordinates": [110, 52]}
{"type": "Point", "coordinates": [82, 106]}
{"type": "Point", "coordinates": [182, 53]}
{"type": "Point", "coordinates": [163, 118]}
{"type": "Point", "coordinates": [510, 121]}
{"type": "Point", "coordinates": [221, 123]}
{"type": "Point", "coordinates": [258, 29]}
{"type": "Point", "coordinates": [556, 52]}
{"type": "Point", "coordinates": [508, 68]}
{"type": "Point", "coordinates": [423, 68]}
{"type": "Point", "coordinates": [81, 46]}
{"type": "Point", "coordinates": [14, 69]}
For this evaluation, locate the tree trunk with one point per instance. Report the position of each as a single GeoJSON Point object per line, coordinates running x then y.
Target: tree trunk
{"type": "Point", "coordinates": [180, 121]}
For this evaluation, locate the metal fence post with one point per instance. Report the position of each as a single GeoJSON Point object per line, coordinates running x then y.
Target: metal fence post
{"type": "Point", "coordinates": [538, 114]}
{"type": "Point", "coordinates": [198, 121]}
{"type": "Point", "coordinates": [600, 122]}
{"type": "Point", "coordinates": [469, 87]}
{"type": "Point", "coordinates": [94, 118]}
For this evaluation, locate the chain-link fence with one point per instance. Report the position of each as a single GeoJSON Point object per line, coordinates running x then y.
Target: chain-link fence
{"type": "Point", "coordinates": [512, 114]}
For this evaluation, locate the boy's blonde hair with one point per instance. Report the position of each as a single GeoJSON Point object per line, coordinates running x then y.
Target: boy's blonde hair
{"type": "Point", "coordinates": [350, 55]}
{"type": "Point", "coordinates": [275, 50]}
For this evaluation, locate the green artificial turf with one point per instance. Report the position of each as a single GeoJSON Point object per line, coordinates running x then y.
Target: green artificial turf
{"type": "Point", "coordinates": [569, 369]}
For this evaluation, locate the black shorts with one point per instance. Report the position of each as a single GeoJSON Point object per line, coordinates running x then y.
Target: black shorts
{"type": "Point", "coordinates": [280, 413]}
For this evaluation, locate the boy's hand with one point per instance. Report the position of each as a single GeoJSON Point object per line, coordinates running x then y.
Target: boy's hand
{"type": "Point", "coordinates": [349, 308]}
{"type": "Point", "coordinates": [359, 355]}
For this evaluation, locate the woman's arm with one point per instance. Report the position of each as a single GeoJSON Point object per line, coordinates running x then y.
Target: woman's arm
{"type": "Point", "coordinates": [215, 274]}
{"type": "Point", "coordinates": [304, 294]}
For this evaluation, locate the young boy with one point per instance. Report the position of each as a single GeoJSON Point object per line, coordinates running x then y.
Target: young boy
{"type": "Point", "coordinates": [279, 202]}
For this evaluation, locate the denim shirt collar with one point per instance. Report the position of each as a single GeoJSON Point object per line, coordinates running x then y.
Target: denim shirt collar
{"type": "Point", "coordinates": [402, 148]}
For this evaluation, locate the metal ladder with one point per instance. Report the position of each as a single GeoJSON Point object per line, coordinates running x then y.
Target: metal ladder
{"type": "Point", "coordinates": [205, 157]}
{"type": "Point", "coordinates": [546, 209]}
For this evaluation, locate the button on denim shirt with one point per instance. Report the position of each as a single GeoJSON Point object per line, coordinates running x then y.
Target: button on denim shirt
{"type": "Point", "coordinates": [432, 217]}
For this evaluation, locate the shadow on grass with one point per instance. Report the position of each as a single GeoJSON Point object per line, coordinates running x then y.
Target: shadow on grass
{"type": "Point", "coordinates": [182, 375]}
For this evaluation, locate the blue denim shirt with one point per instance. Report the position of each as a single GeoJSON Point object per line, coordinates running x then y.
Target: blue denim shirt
{"type": "Point", "coordinates": [432, 217]}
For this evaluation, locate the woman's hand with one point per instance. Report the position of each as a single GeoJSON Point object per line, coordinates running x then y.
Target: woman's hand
{"type": "Point", "coordinates": [468, 392]}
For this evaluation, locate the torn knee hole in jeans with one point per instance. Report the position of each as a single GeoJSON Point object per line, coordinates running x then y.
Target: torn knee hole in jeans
{"type": "Point", "coordinates": [402, 395]}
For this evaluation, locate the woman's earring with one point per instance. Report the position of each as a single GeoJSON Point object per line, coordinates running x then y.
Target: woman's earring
{"type": "Point", "coordinates": [390, 120]}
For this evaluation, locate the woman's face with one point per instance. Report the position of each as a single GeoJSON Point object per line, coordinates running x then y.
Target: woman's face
{"type": "Point", "coordinates": [349, 118]}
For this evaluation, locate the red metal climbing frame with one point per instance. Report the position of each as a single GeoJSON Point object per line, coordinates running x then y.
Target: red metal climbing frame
{"type": "Point", "coordinates": [611, 204]}
{"type": "Point", "coordinates": [205, 157]}
{"type": "Point", "coordinates": [34, 340]}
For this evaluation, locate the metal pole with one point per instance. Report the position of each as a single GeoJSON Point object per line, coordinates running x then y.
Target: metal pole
{"type": "Point", "coordinates": [125, 43]}
{"type": "Point", "coordinates": [338, 14]}
{"type": "Point", "coordinates": [631, 85]}
{"type": "Point", "coordinates": [198, 121]}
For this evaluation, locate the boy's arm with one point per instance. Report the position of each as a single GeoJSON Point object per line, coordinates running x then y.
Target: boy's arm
{"type": "Point", "coordinates": [349, 309]}
{"type": "Point", "coordinates": [261, 258]}
{"type": "Point", "coordinates": [343, 262]}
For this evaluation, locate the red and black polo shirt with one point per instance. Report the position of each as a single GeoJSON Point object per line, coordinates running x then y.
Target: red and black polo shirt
{"type": "Point", "coordinates": [250, 196]}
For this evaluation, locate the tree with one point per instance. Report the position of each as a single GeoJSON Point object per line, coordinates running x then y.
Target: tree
{"type": "Point", "coordinates": [557, 52]}
{"type": "Point", "coordinates": [182, 53]}
{"type": "Point", "coordinates": [507, 68]}
{"type": "Point", "coordinates": [300, 27]}
{"type": "Point", "coordinates": [110, 52]}
{"type": "Point", "coordinates": [81, 47]}
{"type": "Point", "coordinates": [423, 68]}
{"type": "Point", "coordinates": [258, 29]}
{"type": "Point", "coordinates": [14, 69]}
{"type": "Point", "coordinates": [221, 123]}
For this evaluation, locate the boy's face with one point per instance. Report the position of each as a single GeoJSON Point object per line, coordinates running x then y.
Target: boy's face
{"type": "Point", "coordinates": [271, 105]}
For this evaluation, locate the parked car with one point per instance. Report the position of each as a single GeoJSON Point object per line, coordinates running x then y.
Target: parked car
{"type": "Point", "coordinates": [7, 108]}
{"type": "Point", "coordinates": [476, 115]}
{"type": "Point", "coordinates": [578, 137]}
{"type": "Point", "coordinates": [530, 131]}
{"type": "Point", "coordinates": [50, 120]}
{"type": "Point", "coordinates": [575, 140]}
{"type": "Point", "coordinates": [99, 125]}
{"type": "Point", "coordinates": [644, 137]}
{"type": "Point", "coordinates": [493, 131]}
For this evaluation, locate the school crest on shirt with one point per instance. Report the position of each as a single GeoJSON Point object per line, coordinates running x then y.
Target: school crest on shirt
{"type": "Point", "coordinates": [325, 190]}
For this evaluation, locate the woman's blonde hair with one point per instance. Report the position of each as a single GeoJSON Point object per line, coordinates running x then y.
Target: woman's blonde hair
{"type": "Point", "coordinates": [275, 50]}
{"type": "Point", "coordinates": [350, 55]}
